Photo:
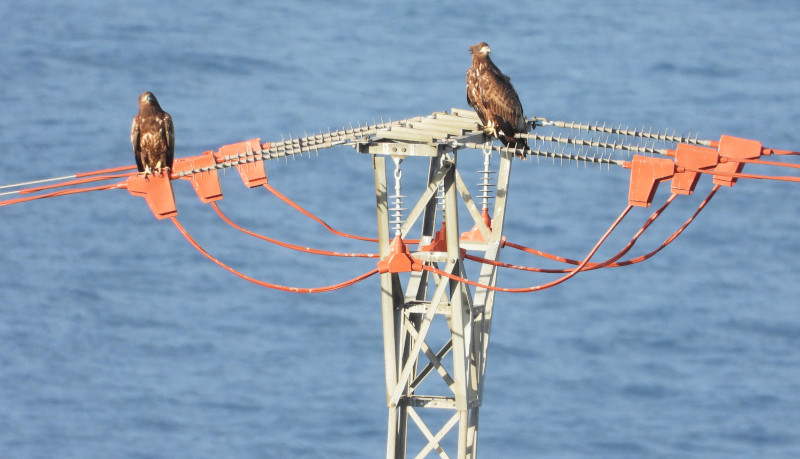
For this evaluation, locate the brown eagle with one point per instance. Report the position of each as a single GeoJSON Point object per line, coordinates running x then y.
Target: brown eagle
{"type": "Point", "coordinates": [152, 136]}
{"type": "Point", "coordinates": [494, 99]}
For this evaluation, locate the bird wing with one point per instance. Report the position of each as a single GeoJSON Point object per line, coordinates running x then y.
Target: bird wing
{"type": "Point", "coordinates": [474, 98]}
{"type": "Point", "coordinates": [169, 130]}
{"type": "Point", "coordinates": [137, 153]}
{"type": "Point", "coordinates": [500, 98]}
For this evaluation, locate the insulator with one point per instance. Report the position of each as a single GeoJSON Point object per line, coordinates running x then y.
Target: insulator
{"type": "Point", "coordinates": [397, 199]}
{"type": "Point", "coordinates": [440, 199]}
{"type": "Point", "coordinates": [486, 185]}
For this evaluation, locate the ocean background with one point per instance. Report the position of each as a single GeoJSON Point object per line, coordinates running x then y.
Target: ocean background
{"type": "Point", "coordinates": [117, 339]}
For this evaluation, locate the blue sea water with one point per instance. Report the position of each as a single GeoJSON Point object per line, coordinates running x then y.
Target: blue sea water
{"type": "Point", "coordinates": [119, 340]}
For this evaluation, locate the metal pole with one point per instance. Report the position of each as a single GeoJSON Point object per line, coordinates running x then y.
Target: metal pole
{"type": "Point", "coordinates": [395, 444]}
{"type": "Point", "coordinates": [484, 299]}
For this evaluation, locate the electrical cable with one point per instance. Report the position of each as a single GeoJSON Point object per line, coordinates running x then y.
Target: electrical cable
{"type": "Point", "coordinates": [287, 245]}
{"type": "Point", "coordinates": [553, 283]}
{"type": "Point", "coordinates": [283, 288]}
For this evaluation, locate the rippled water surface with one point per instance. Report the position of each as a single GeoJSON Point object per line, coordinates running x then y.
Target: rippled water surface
{"type": "Point", "coordinates": [120, 340]}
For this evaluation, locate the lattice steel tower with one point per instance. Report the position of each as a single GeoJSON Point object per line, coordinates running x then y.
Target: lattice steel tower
{"type": "Point", "coordinates": [454, 371]}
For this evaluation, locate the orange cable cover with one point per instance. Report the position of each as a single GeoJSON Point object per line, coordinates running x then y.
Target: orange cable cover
{"type": "Point", "coordinates": [641, 258]}
{"type": "Point", "coordinates": [747, 176]}
{"type": "Point", "coordinates": [589, 266]}
{"type": "Point", "coordinates": [287, 245]}
{"type": "Point", "coordinates": [542, 286]}
{"type": "Point", "coordinates": [78, 181]}
{"type": "Point", "coordinates": [769, 163]}
{"type": "Point", "coordinates": [62, 193]}
{"type": "Point", "coordinates": [318, 220]}
{"type": "Point", "coordinates": [284, 288]}
{"type": "Point", "coordinates": [105, 171]}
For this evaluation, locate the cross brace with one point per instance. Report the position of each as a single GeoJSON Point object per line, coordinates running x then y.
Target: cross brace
{"type": "Point", "coordinates": [454, 371]}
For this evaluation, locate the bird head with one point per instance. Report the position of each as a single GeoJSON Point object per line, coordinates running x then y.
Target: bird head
{"type": "Point", "coordinates": [480, 49]}
{"type": "Point", "coordinates": [148, 98]}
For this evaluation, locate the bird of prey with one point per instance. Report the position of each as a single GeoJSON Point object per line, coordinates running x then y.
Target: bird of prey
{"type": "Point", "coordinates": [494, 99]}
{"type": "Point", "coordinates": [152, 136]}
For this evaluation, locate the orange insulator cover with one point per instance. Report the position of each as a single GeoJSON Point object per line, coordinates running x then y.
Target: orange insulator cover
{"type": "Point", "coordinates": [475, 235]}
{"type": "Point", "coordinates": [156, 190]}
{"type": "Point", "coordinates": [439, 242]}
{"type": "Point", "coordinates": [206, 183]}
{"type": "Point", "coordinates": [646, 173]}
{"type": "Point", "coordinates": [735, 148]}
{"type": "Point", "coordinates": [399, 259]}
{"type": "Point", "coordinates": [253, 173]}
{"type": "Point", "coordinates": [691, 157]}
